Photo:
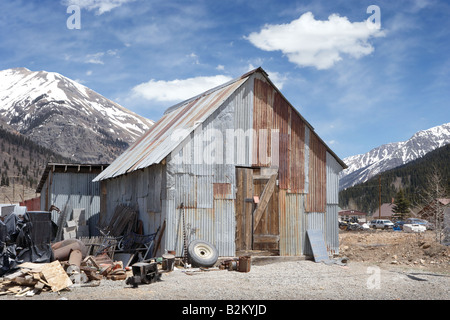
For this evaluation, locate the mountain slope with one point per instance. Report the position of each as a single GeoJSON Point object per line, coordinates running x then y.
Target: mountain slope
{"type": "Point", "coordinates": [67, 117]}
{"type": "Point", "coordinates": [364, 166]}
{"type": "Point", "coordinates": [412, 177]}
{"type": "Point", "coordinates": [22, 165]}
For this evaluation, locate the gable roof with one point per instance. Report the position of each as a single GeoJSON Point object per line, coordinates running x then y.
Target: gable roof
{"type": "Point", "coordinates": [386, 211]}
{"type": "Point", "coordinates": [182, 119]}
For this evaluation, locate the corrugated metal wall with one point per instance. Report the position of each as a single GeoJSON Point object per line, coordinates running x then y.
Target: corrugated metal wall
{"type": "Point", "coordinates": [76, 190]}
{"type": "Point", "coordinates": [292, 222]}
{"type": "Point", "coordinates": [316, 196]}
{"type": "Point", "coordinates": [332, 229]}
{"type": "Point", "coordinates": [307, 173]}
{"type": "Point", "coordinates": [201, 175]}
{"type": "Point", "coordinates": [140, 190]}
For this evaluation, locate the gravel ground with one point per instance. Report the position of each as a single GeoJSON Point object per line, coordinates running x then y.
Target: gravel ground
{"type": "Point", "coordinates": [276, 280]}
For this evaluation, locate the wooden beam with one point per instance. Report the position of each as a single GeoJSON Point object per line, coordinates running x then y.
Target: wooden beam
{"type": "Point", "coordinates": [266, 238]}
{"type": "Point", "coordinates": [158, 242]}
{"type": "Point", "coordinates": [264, 200]}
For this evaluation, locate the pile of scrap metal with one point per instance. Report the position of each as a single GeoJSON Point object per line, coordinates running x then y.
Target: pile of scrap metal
{"type": "Point", "coordinates": [66, 267]}
{"type": "Point", "coordinates": [30, 259]}
{"type": "Point", "coordinates": [83, 268]}
{"type": "Point", "coordinates": [150, 271]}
{"type": "Point", "coordinates": [241, 264]}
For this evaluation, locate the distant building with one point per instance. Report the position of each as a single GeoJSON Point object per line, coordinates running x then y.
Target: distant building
{"type": "Point", "coordinates": [349, 214]}
{"type": "Point", "coordinates": [386, 212]}
{"type": "Point", "coordinates": [33, 204]}
{"type": "Point", "coordinates": [428, 211]}
{"type": "Point", "coordinates": [70, 186]}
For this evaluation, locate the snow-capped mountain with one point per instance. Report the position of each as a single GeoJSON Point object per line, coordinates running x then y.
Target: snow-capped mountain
{"type": "Point", "coordinates": [388, 156]}
{"type": "Point", "coordinates": [66, 116]}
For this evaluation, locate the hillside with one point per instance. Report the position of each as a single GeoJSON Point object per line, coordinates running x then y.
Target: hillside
{"type": "Point", "coordinates": [411, 177]}
{"type": "Point", "coordinates": [362, 167]}
{"type": "Point", "coordinates": [22, 164]}
{"type": "Point", "coordinates": [67, 117]}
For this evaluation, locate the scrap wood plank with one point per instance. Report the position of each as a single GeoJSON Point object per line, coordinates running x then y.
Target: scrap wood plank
{"type": "Point", "coordinates": [31, 267]}
{"type": "Point", "coordinates": [56, 276]}
{"type": "Point", "coordinates": [264, 200]}
{"type": "Point", "coordinates": [26, 280]}
{"type": "Point", "coordinates": [158, 242]}
{"type": "Point", "coordinates": [14, 275]}
{"type": "Point", "coordinates": [318, 246]}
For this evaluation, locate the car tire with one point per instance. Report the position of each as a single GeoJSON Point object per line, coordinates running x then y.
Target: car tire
{"type": "Point", "coordinates": [201, 253]}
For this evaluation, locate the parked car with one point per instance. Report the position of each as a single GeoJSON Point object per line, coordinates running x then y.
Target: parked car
{"type": "Point", "coordinates": [381, 224]}
{"type": "Point", "coordinates": [414, 228]}
{"type": "Point", "coordinates": [399, 225]}
{"type": "Point", "coordinates": [421, 222]}
{"type": "Point", "coordinates": [415, 221]}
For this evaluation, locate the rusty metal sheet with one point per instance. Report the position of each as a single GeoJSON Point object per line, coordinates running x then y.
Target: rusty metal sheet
{"type": "Point", "coordinates": [317, 243]}
{"type": "Point", "coordinates": [222, 190]}
{"type": "Point", "coordinates": [316, 197]}
{"type": "Point", "coordinates": [297, 161]}
{"type": "Point", "coordinates": [262, 122]}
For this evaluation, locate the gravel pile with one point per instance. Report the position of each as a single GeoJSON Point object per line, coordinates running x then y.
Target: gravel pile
{"type": "Point", "coordinates": [277, 280]}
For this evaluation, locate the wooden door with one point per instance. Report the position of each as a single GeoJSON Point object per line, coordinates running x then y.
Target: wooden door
{"type": "Point", "coordinates": [257, 218]}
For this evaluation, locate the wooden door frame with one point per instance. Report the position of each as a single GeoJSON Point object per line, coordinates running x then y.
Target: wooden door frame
{"type": "Point", "coordinates": [250, 209]}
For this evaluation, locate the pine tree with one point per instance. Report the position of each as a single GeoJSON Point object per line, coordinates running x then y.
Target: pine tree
{"type": "Point", "coordinates": [401, 206]}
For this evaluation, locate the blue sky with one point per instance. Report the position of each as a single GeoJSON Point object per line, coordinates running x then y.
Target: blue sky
{"type": "Point", "coordinates": [360, 85]}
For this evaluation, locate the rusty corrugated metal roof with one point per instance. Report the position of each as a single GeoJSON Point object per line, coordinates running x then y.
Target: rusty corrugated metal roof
{"type": "Point", "coordinates": [181, 120]}
{"type": "Point", "coordinates": [178, 121]}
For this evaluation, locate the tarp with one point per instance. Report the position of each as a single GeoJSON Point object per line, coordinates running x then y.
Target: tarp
{"type": "Point", "coordinates": [25, 240]}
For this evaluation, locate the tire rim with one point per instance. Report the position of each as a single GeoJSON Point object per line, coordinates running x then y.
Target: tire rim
{"type": "Point", "coordinates": [203, 251]}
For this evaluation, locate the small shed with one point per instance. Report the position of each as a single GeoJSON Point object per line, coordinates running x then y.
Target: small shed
{"type": "Point", "coordinates": [237, 166]}
{"type": "Point", "coordinates": [70, 186]}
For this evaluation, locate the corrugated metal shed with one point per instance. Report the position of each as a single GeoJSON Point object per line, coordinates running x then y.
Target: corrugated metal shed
{"type": "Point", "coordinates": [71, 186]}
{"type": "Point", "coordinates": [197, 149]}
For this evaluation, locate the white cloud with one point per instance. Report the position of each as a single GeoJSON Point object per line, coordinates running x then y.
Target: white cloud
{"type": "Point", "coordinates": [194, 57]}
{"type": "Point", "coordinates": [277, 78]}
{"type": "Point", "coordinates": [315, 43]}
{"type": "Point", "coordinates": [177, 90]}
{"type": "Point", "coordinates": [101, 6]}
{"type": "Point", "coordinates": [95, 58]}
{"type": "Point", "coordinates": [80, 81]}
{"type": "Point", "coordinates": [220, 67]}
{"type": "Point", "coordinates": [112, 52]}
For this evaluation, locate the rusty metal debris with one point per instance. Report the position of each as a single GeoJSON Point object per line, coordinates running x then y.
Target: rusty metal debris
{"type": "Point", "coordinates": [241, 264]}
{"type": "Point", "coordinates": [34, 259]}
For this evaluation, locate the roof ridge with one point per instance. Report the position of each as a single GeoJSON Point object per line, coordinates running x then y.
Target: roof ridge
{"type": "Point", "coordinates": [209, 91]}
